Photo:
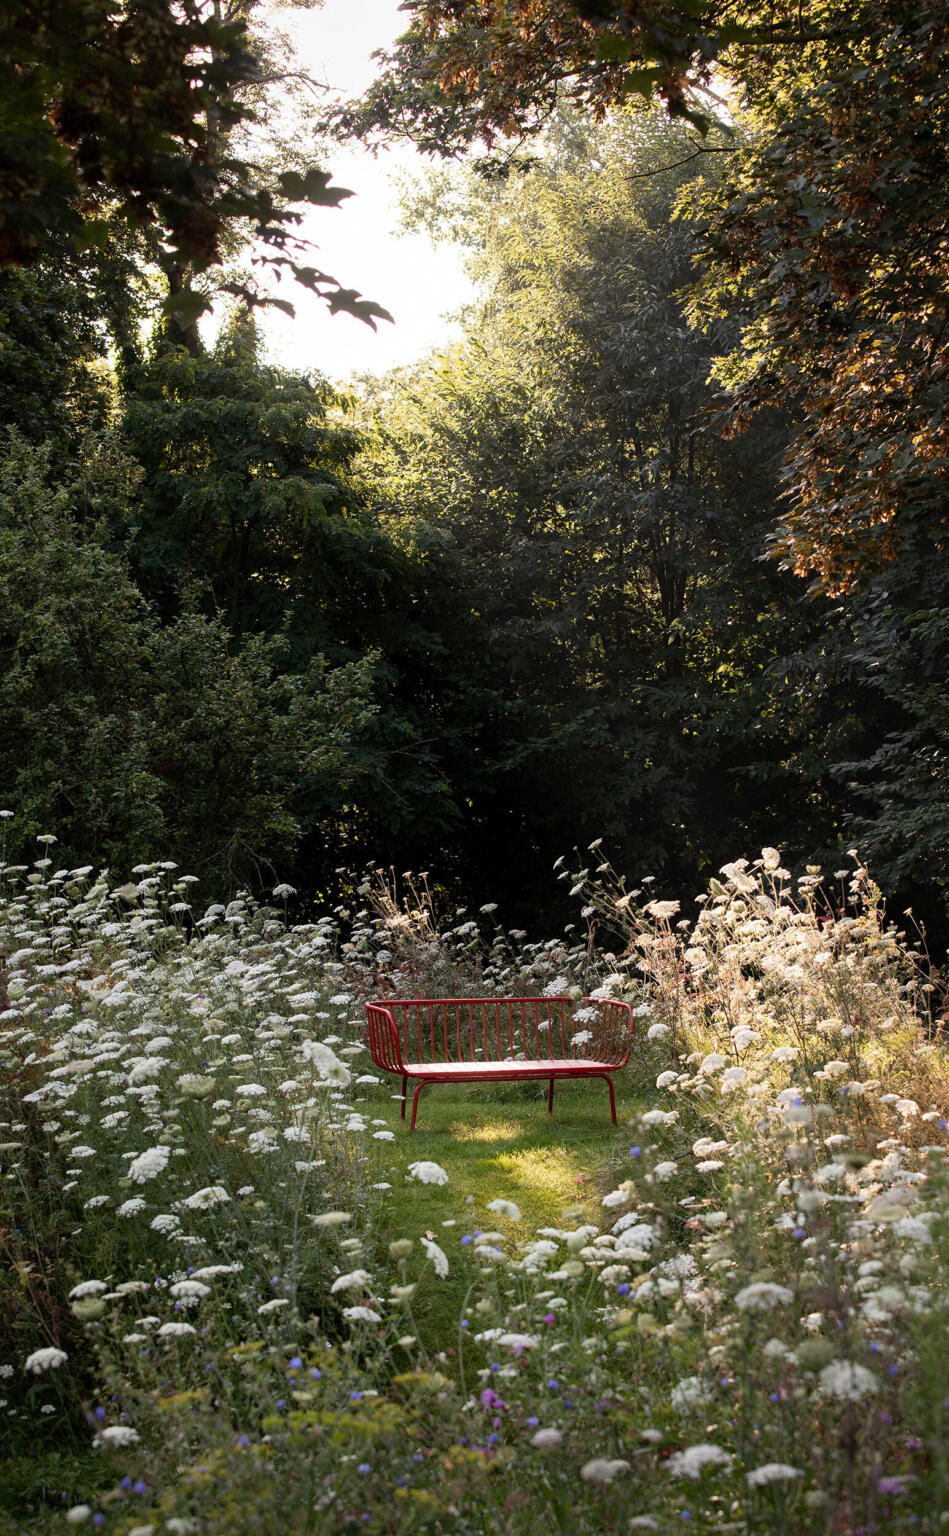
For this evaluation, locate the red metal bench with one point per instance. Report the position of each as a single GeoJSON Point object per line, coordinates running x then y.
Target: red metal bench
{"type": "Point", "coordinates": [498, 1039]}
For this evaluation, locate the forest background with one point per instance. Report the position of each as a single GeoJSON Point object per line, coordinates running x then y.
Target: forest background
{"type": "Point", "coordinates": [654, 554]}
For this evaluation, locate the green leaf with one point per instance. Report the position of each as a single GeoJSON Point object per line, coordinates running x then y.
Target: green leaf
{"type": "Point", "coordinates": [94, 234]}
{"type": "Point", "coordinates": [313, 186]}
{"type": "Point", "coordinates": [352, 303]}
{"type": "Point", "coordinates": [187, 305]}
{"type": "Point", "coordinates": [614, 46]}
{"type": "Point", "coordinates": [642, 81]}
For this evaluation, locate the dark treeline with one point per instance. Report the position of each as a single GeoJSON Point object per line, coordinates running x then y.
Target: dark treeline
{"type": "Point", "coordinates": [654, 555]}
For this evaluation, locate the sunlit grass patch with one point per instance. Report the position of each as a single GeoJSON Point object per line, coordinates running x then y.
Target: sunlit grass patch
{"type": "Point", "coordinates": [491, 1130]}
{"type": "Point", "coordinates": [551, 1169]}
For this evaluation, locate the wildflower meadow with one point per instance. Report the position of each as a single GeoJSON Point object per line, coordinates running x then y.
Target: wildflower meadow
{"type": "Point", "coordinates": [237, 1295]}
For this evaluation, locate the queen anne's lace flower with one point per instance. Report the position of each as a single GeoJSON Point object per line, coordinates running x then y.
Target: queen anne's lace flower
{"type": "Point", "coordinates": [601, 1470]}
{"type": "Point", "coordinates": [189, 1290]}
{"type": "Point", "coordinates": [117, 1435]}
{"type": "Point", "coordinates": [327, 1063]}
{"type": "Point", "coordinates": [693, 1461]}
{"type": "Point", "coordinates": [87, 1288]}
{"type": "Point", "coordinates": [772, 1472]}
{"type": "Point", "coordinates": [428, 1173]}
{"type": "Point", "coordinates": [518, 1342]}
{"type": "Point", "coordinates": [149, 1164]}
{"type": "Point", "coordinates": [48, 1359]}
{"type": "Point", "coordinates": [546, 1439]}
{"type": "Point", "coordinates": [762, 1295]}
{"type": "Point", "coordinates": [437, 1256]}
{"type": "Point", "coordinates": [844, 1379]}
{"type": "Point", "coordinates": [505, 1208]}
{"type": "Point", "coordinates": [204, 1199]}
{"type": "Point", "coordinates": [356, 1280]}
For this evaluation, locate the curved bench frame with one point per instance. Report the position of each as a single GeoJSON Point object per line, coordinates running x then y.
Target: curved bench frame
{"type": "Point", "coordinates": [498, 1039]}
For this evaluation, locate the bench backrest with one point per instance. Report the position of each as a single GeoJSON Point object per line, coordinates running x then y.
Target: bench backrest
{"type": "Point", "coordinates": [426, 1031]}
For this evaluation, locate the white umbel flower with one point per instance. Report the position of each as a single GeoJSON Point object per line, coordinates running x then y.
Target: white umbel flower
{"type": "Point", "coordinates": [546, 1439]}
{"type": "Point", "coordinates": [428, 1173]}
{"type": "Point", "coordinates": [327, 1063]}
{"type": "Point", "coordinates": [356, 1280]}
{"type": "Point", "coordinates": [117, 1436]}
{"type": "Point", "coordinates": [437, 1256]}
{"type": "Point", "coordinates": [772, 1472]}
{"type": "Point", "coordinates": [149, 1164]}
{"type": "Point", "coordinates": [843, 1379]}
{"type": "Point", "coordinates": [602, 1470]}
{"type": "Point", "coordinates": [87, 1288]}
{"type": "Point", "coordinates": [204, 1199]}
{"type": "Point", "coordinates": [505, 1208]}
{"type": "Point", "coordinates": [761, 1296]}
{"type": "Point", "coordinates": [693, 1461]}
{"type": "Point", "coordinates": [41, 1360]}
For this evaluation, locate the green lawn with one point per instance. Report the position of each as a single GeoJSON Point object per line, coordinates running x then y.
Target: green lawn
{"type": "Point", "coordinates": [497, 1141]}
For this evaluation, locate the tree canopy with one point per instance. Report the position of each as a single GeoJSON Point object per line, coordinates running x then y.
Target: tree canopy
{"type": "Point", "coordinates": [136, 107]}
{"type": "Point", "coordinates": [655, 553]}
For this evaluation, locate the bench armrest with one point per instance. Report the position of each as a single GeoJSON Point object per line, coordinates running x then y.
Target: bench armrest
{"type": "Point", "coordinates": [384, 1044]}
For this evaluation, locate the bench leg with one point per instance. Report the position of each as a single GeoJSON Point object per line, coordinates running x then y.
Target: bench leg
{"type": "Point", "coordinates": [550, 1098]}
{"type": "Point", "coordinates": [609, 1084]}
{"type": "Point", "coordinates": [415, 1105]}
{"type": "Point", "coordinates": [405, 1083]}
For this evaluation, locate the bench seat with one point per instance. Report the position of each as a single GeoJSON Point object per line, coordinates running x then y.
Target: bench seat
{"type": "Point", "coordinates": [569, 1066]}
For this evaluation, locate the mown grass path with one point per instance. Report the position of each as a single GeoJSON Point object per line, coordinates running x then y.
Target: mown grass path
{"type": "Point", "coordinates": [497, 1142]}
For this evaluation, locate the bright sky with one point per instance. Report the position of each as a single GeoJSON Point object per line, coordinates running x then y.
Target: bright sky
{"type": "Point", "coordinates": [417, 282]}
